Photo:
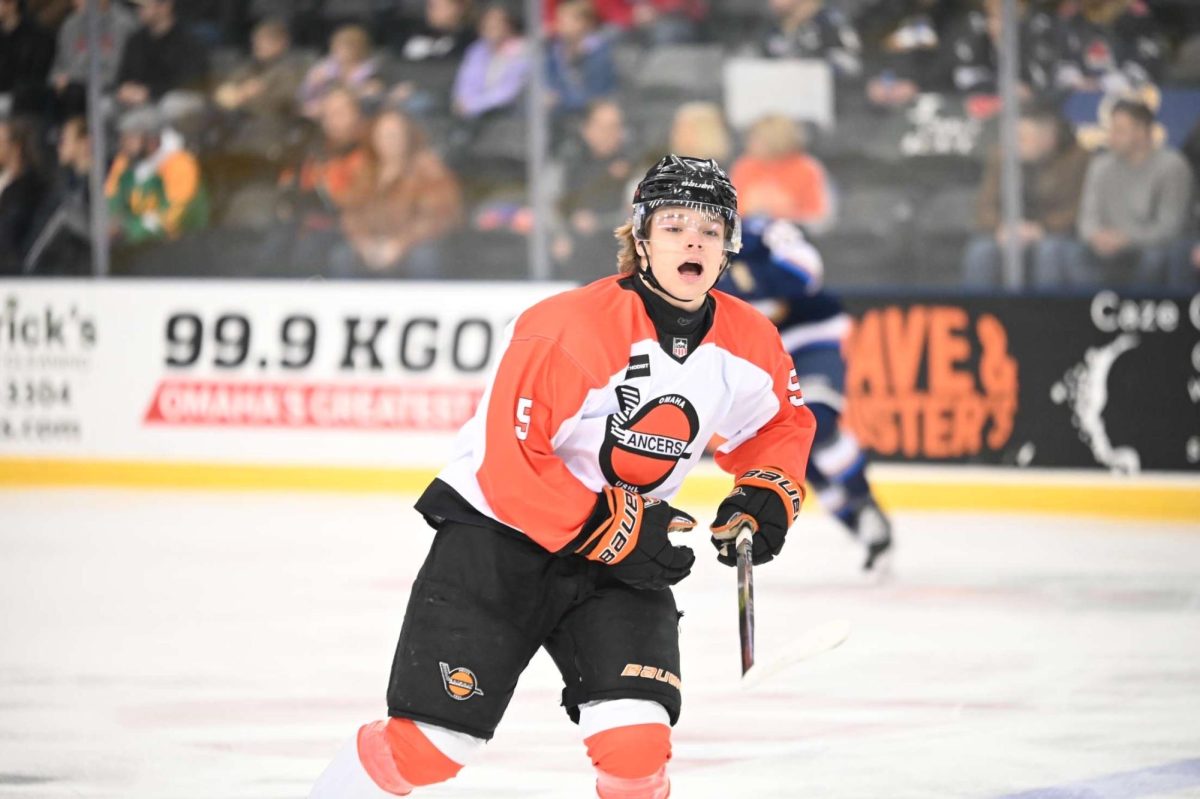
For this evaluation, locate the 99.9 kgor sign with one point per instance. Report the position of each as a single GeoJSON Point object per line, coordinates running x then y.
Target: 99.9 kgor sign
{"type": "Point", "coordinates": [357, 343]}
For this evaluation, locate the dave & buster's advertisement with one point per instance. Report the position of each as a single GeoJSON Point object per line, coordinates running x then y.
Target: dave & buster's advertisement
{"type": "Point", "coordinates": [1109, 380]}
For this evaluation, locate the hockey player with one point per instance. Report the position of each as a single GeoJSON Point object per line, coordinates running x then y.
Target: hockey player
{"type": "Point", "coordinates": [552, 517]}
{"type": "Point", "coordinates": [780, 272]}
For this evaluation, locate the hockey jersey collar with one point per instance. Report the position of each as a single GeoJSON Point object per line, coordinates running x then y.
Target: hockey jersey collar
{"type": "Point", "coordinates": [679, 331]}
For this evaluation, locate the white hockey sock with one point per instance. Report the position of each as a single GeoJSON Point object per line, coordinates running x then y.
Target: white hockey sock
{"type": "Point", "coordinates": [345, 778]}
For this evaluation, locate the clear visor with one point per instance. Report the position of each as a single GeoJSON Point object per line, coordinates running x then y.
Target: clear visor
{"type": "Point", "coordinates": [687, 220]}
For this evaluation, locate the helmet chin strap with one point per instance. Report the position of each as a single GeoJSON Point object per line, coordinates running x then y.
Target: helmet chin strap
{"type": "Point", "coordinates": [648, 275]}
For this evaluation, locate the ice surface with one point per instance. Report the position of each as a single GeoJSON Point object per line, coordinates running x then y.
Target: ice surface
{"type": "Point", "coordinates": [186, 645]}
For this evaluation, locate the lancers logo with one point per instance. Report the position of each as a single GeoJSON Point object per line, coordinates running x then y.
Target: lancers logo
{"type": "Point", "coordinates": [460, 683]}
{"type": "Point", "coordinates": [643, 444]}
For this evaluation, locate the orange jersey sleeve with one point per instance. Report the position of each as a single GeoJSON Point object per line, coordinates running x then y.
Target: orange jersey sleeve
{"type": "Point", "coordinates": [536, 389]}
{"type": "Point", "coordinates": [555, 357]}
{"type": "Point", "coordinates": [782, 441]}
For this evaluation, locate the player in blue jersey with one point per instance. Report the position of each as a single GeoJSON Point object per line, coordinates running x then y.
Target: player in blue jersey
{"type": "Point", "coordinates": [781, 273]}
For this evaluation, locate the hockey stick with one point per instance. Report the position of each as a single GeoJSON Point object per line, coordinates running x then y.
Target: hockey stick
{"type": "Point", "coordinates": [810, 643]}
{"type": "Point", "coordinates": [743, 544]}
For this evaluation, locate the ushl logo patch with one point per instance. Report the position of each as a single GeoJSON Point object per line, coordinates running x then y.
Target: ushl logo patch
{"type": "Point", "coordinates": [679, 347]}
{"type": "Point", "coordinates": [643, 444]}
{"type": "Point", "coordinates": [460, 683]}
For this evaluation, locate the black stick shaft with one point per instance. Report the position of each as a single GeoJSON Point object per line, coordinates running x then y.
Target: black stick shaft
{"type": "Point", "coordinates": [745, 574]}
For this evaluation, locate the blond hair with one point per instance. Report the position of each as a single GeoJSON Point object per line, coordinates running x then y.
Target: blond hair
{"type": "Point", "coordinates": [353, 38]}
{"type": "Point", "coordinates": [777, 136]}
{"type": "Point", "coordinates": [627, 254]}
{"type": "Point", "coordinates": [699, 131]}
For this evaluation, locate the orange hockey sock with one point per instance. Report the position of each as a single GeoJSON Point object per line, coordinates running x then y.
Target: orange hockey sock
{"type": "Point", "coordinates": [631, 761]}
{"type": "Point", "coordinates": [399, 757]}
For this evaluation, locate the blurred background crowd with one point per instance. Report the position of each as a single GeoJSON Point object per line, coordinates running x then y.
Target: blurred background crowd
{"type": "Point", "coordinates": [392, 138]}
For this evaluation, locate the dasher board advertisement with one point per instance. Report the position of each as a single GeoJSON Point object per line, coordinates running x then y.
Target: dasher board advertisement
{"type": "Point", "coordinates": [1110, 380]}
{"type": "Point", "coordinates": [256, 372]}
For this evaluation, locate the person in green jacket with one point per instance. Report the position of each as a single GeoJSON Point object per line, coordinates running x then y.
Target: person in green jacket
{"type": "Point", "coordinates": [155, 190]}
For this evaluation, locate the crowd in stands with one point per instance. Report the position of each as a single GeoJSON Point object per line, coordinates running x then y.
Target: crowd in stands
{"type": "Point", "coordinates": [359, 138]}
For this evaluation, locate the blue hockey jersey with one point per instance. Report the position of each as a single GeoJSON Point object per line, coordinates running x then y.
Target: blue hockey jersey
{"type": "Point", "coordinates": [781, 273]}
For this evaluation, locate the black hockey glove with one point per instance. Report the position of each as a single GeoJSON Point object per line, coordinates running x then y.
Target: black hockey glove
{"type": "Point", "coordinates": [629, 534]}
{"type": "Point", "coordinates": [769, 502]}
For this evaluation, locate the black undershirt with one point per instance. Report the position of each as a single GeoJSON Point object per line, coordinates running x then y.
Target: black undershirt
{"type": "Point", "coordinates": [671, 322]}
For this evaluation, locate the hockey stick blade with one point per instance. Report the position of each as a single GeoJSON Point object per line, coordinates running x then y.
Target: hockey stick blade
{"type": "Point", "coordinates": [811, 643]}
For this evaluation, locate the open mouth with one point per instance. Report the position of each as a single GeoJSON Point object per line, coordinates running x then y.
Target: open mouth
{"type": "Point", "coordinates": [691, 270]}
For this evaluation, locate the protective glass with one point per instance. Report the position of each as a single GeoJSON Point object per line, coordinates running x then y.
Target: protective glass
{"type": "Point", "coordinates": [677, 218]}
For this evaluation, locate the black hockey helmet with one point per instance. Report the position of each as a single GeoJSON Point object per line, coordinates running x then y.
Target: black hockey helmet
{"type": "Point", "coordinates": [697, 183]}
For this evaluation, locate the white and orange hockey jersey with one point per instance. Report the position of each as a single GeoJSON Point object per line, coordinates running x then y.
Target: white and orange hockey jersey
{"type": "Point", "coordinates": [585, 396]}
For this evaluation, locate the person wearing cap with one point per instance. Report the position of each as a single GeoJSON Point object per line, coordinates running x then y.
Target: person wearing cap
{"type": "Point", "coordinates": [553, 517]}
{"type": "Point", "coordinates": [154, 190]}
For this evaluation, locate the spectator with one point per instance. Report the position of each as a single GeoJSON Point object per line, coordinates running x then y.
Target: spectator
{"type": "Point", "coordinates": [777, 178]}
{"type": "Point", "coordinates": [63, 245]}
{"type": "Point", "coordinates": [154, 187]}
{"type": "Point", "coordinates": [579, 62]}
{"type": "Point", "coordinates": [21, 189]}
{"type": "Point", "coordinates": [973, 43]}
{"type": "Point", "coordinates": [160, 56]}
{"type": "Point", "coordinates": [69, 74]}
{"type": "Point", "coordinates": [812, 29]}
{"type": "Point", "coordinates": [410, 201]}
{"type": "Point", "coordinates": [595, 199]}
{"type": "Point", "coordinates": [1111, 46]}
{"type": "Point", "coordinates": [1053, 166]}
{"type": "Point", "coordinates": [442, 34]}
{"type": "Point", "coordinates": [904, 38]}
{"type": "Point", "coordinates": [350, 64]}
{"type": "Point", "coordinates": [331, 177]}
{"type": "Point", "coordinates": [495, 68]}
{"type": "Point", "coordinates": [1136, 201]}
{"type": "Point", "coordinates": [428, 55]}
{"type": "Point", "coordinates": [1185, 260]}
{"type": "Point", "coordinates": [645, 22]}
{"type": "Point", "coordinates": [699, 131]}
{"type": "Point", "coordinates": [261, 95]}
{"type": "Point", "coordinates": [26, 52]}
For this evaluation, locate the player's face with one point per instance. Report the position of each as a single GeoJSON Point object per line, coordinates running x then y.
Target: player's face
{"type": "Point", "coordinates": [686, 251]}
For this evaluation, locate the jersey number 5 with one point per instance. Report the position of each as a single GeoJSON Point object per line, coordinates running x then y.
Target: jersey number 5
{"type": "Point", "coordinates": [522, 427]}
{"type": "Point", "coordinates": [794, 395]}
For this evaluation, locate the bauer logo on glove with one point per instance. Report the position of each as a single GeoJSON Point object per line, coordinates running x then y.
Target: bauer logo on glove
{"type": "Point", "coordinates": [765, 499]}
{"type": "Point", "coordinates": [628, 533]}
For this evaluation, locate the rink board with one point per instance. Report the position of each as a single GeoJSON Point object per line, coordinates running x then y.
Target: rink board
{"type": "Point", "coordinates": [360, 387]}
